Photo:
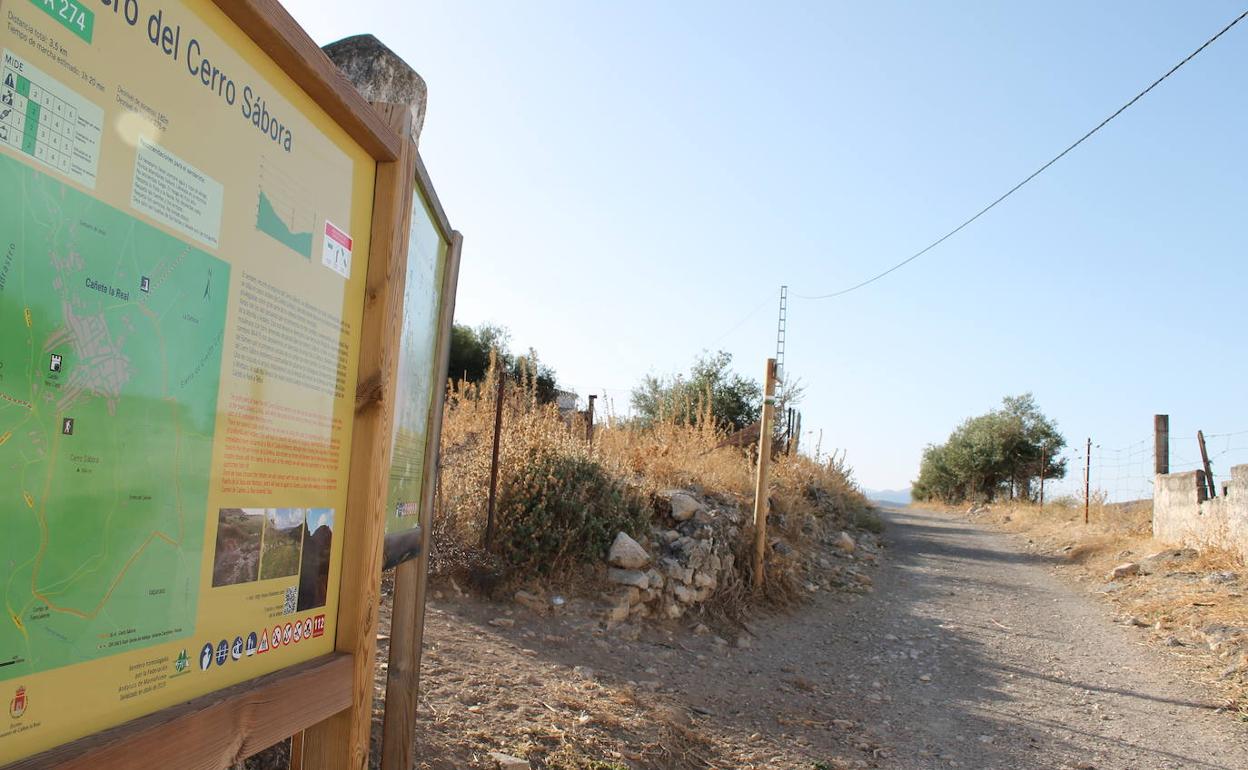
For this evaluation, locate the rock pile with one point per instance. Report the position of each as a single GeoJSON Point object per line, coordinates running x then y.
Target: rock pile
{"type": "Point", "coordinates": [687, 556]}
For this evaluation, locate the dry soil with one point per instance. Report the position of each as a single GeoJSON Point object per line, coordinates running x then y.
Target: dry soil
{"type": "Point", "coordinates": [969, 652]}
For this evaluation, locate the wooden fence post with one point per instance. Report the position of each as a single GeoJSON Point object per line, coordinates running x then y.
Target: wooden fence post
{"type": "Point", "coordinates": [1087, 483]}
{"type": "Point", "coordinates": [1204, 460]}
{"type": "Point", "coordinates": [589, 422]}
{"type": "Point", "coordinates": [499, 397]}
{"type": "Point", "coordinates": [761, 498]}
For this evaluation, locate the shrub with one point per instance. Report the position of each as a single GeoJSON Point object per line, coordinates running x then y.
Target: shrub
{"type": "Point", "coordinates": [559, 510]}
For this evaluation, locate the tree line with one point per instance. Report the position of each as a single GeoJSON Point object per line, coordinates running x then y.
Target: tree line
{"type": "Point", "coordinates": [711, 387]}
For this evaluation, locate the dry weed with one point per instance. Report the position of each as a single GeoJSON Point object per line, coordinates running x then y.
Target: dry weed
{"type": "Point", "coordinates": [560, 501]}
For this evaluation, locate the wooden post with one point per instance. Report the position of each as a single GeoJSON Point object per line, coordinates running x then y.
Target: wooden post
{"type": "Point", "coordinates": [407, 622]}
{"type": "Point", "coordinates": [797, 434]}
{"type": "Point", "coordinates": [1161, 443]}
{"type": "Point", "coordinates": [1087, 483]}
{"type": "Point", "coordinates": [761, 500]}
{"type": "Point", "coordinates": [1204, 460]}
{"type": "Point", "coordinates": [498, 434]}
{"type": "Point", "coordinates": [589, 422]}
{"type": "Point", "coordinates": [342, 741]}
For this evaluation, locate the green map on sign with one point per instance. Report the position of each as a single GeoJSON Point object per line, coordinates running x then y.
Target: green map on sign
{"type": "Point", "coordinates": [110, 357]}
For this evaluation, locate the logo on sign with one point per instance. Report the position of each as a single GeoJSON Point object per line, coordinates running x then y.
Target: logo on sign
{"type": "Point", "coordinates": [182, 662]}
{"type": "Point", "coordinates": [205, 657]}
{"type": "Point", "coordinates": [17, 706]}
{"type": "Point", "coordinates": [251, 644]}
{"type": "Point", "coordinates": [318, 625]}
{"type": "Point", "coordinates": [223, 652]}
{"type": "Point", "coordinates": [307, 628]}
{"type": "Point", "coordinates": [287, 632]}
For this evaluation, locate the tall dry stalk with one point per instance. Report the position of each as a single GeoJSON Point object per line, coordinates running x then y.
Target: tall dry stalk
{"type": "Point", "coordinates": [547, 468]}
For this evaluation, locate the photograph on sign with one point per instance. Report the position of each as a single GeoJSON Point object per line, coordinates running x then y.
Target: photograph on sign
{"type": "Point", "coordinates": [183, 252]}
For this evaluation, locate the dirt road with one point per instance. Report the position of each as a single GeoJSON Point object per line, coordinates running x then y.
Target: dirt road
{"type": "Point", "coordinates": [968, 653]}
{"type": "Point", "coordinates": [984, 658]}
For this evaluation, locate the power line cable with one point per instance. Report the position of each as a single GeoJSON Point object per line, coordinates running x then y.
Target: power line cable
{"type": "Point", "coordinates": [1032, 176]}
{"type": "Point", "coordinates": [741, 323]}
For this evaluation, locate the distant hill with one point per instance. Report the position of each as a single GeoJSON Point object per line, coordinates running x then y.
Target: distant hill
{"type": "Point", "coordinates": [896, 496]}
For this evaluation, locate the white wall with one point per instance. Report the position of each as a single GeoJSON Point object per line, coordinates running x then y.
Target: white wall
{"type": "Point", "coordinates": [1181, 514]}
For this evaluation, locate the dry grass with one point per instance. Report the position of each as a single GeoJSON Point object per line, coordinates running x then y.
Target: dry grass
{"type": "Point", "coordinates": [578, 496]}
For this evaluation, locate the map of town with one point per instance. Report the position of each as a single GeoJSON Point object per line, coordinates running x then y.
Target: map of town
{"type": "Point", "coordinates": [110, 357]}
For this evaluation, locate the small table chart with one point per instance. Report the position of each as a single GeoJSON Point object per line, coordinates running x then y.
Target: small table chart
{"type": "Point", "coordinates": [46, 120]}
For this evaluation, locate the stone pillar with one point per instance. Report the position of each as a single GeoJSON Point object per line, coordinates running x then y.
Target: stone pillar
{"type": "Point", "coordinates": [1161, 443]}
{"type": "Point", "coordinates": [380, 75]}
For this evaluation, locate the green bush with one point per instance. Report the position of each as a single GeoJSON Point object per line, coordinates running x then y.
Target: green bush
{"type": "Point", "coordinates": [560, 510]}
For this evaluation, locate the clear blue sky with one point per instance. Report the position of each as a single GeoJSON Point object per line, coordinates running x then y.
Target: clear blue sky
{"type": "Point", "coordinates": [633, 178]}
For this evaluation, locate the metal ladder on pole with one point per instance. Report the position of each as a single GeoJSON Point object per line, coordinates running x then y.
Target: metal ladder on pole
{"type": "Point", "coordinates": [784, 311]}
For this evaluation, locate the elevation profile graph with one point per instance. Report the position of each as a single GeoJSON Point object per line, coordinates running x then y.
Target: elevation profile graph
{"type": "Point", "coordinates": [282, 213]}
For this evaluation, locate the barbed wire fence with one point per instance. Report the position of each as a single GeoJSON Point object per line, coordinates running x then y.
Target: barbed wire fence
{"type": "Point", "coordinates": [1125, 473]}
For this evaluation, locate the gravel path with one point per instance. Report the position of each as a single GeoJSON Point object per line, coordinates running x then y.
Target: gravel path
{"type": "Point", "coordinates": [972, 654]}
{"type": "Point", "coordinates": [967, 653]}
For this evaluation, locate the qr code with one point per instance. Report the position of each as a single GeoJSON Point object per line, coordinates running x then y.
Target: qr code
{"type": "Point", "coordinates": [292, 601]}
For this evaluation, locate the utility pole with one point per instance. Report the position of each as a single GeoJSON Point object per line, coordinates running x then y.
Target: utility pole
{"type": "Point", "coordinates": [1087, 483]}
{"type": "Point", "coordinates": [761, 497]}
{"type": "Point", "coordinates": [1044, 459]}
{"type": "Point", "coordinates": [780, 331]}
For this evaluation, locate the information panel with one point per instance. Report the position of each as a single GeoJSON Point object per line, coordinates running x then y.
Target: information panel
{"type": "Point", "coordinates": [422, 302]}
{"type": "Point", "coordinates": [183, 249]}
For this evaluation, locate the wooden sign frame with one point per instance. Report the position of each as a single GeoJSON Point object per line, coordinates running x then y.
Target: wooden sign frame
{"type": "Point", "coordinates": [329, 698]}
{"type": "Point", "coordinates": [407, 622]}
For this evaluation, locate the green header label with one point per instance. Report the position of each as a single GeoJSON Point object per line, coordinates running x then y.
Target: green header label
{"type": "Point", "coordinates": [70, 15]}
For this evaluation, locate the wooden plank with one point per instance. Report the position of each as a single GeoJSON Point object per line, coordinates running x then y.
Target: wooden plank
{"type": "Point", "coordinates": [215, 730]}
{"type": "Point", "coordinates": [342, 741]}
{"type": "Point", "coordinates": [1204, 461]}
{"type": "Point", "coordinates": [407, 622]}
{"type": "Point", "coordinates": [268, 24]}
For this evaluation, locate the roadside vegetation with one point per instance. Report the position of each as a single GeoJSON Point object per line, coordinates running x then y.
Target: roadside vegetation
{"type": "Point", "coordinates": [561, 502]}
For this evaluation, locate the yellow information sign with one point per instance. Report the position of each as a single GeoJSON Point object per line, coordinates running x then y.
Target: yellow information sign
{"type": "Point", "coordinates": [183, 249]}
